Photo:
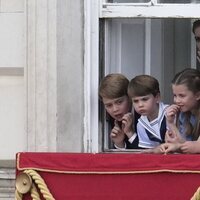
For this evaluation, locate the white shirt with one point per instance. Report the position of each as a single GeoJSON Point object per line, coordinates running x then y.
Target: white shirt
{"type": "Point", "coordinates": [153, 127]}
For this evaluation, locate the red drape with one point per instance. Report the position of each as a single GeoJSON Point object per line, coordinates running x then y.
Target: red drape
{"type": "Point", "coordinates": [118, 176]}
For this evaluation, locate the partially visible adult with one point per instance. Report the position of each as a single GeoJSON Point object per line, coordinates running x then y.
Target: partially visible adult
{"type": "Point", "coordinates": [196, 31]}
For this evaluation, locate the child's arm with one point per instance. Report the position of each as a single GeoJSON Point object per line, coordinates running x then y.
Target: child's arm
{"type": "Point", "coordinates": [117, 136]}
{"type": "Point", "coordinates": [128, 126]}
{"type": "Point", "coordinates": [171, 113]}
{"type": "Point", "coordinates": [190, 147]}
{"type": "Point", "coordinates": [172, 135]}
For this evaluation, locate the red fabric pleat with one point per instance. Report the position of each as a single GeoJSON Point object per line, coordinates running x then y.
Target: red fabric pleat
{"type": "Point", "coordinates": [118, 176]}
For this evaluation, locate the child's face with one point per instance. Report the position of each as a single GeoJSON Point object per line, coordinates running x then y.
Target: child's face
{"type": "Point", "coordinates": [146, 105]}
{"type": "Point", "coordinates": [184, 98]}
{"type": "Point", "coordinates": [118, 107]}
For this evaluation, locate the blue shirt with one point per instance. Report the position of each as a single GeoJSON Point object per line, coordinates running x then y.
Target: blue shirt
{"type": "Point", "coordinates": [182, 121]}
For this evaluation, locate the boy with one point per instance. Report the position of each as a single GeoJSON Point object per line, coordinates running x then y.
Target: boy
{"type": "Point", "coordinates": [113, 93]}
{"type": "Point", "coordinates": [151, 127]}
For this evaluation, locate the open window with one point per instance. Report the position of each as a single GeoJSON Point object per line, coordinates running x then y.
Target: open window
{"type": "Point", "coordinates": [141, 37]}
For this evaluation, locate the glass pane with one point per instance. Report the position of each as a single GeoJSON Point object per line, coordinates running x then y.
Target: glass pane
{"type": "Point", "coordinates": [159, 47]}
{"type": "Point", "coordinates": [128, 1]}
{"type": "Point", "coordinates": [158, 1]}
{"type": "Point", "coordinates": [137, 46]}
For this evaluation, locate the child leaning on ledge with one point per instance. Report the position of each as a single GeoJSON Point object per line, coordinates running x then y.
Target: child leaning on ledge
{"type": "Point", "coordinates": [145, 95]}
{"type": "Point", "coordinates": [183, 117]}
{"type": "Point", "coordinates": [113, 93]}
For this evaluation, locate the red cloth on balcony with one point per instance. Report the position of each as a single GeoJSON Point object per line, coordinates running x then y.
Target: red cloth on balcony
{"type": "Point", "coordinates": [115, 176]}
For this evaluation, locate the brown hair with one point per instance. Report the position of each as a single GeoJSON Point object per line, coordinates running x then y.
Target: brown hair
{"type": "Point", "coordinates": [113, 86]}
{"type": "Point", "coordinates": [143, 85]}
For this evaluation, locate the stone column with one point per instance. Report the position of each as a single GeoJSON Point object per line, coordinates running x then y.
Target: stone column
{"type": "Point", "coordinates": [41, 74]}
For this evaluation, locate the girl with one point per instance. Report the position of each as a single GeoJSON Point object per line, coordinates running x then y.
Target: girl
{"type": "Point", "coordinates": [183, 136]}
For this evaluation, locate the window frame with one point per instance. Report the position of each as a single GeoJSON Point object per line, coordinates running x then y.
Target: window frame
{"type": "Point", "coordinates": [93, 12]}
{"type": "Point", "coordinates": [152, 10]}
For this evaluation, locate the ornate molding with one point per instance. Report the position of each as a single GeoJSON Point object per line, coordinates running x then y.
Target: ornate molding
{"type": "Point", "coordinates": [7, 183]}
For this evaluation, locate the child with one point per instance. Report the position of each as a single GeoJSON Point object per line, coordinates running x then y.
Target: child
{"type": "Point", "coordinates": [186, 111]}
{"type": "Point", "coordinates": [151, 127]}
{"type": "Point", "coordinates": [113, 93]}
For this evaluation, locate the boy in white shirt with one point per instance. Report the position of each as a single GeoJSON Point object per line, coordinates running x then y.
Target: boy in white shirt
{"type": "Point", "coordinates": [151, 127]}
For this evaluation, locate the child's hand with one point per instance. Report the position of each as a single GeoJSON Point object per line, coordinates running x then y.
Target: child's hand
{"type": "Point", "coordinates": [117, 135]}
{"type": "Point", "coordinates": [127, 124]}
{"type": "Point", "coordinates": [156, 150]}
{"type": "Point", "coordinates": [169, 147]}
{"type": "Point", "coordinates": [173, 136]}
{"type": "Point", "coordinates": [190, 147]}
{"type": "Point", "coordinates": [170, 137]}
{"type": "Point", "coordinates": [171, 112]}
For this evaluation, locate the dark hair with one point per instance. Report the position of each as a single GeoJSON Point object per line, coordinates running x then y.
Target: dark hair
{"type": "Point", "coordinates": [196, 24]}
{"type": "Point", "coordinates": [113, 86]}
{"type": "Point", "coordinates": [143, 85]}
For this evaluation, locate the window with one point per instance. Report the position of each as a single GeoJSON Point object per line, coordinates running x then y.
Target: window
{"type": "Point", "coordinates": [134, 37]}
